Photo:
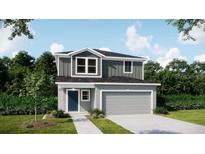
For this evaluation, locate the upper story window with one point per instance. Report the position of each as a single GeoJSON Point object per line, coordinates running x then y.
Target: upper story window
{"type": "Point", "coordinates": [128, 66]}
{"type": "Point", "coordinates": [86, 65]}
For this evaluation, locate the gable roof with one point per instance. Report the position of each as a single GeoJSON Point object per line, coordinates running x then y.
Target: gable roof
{"type": "Point", "coordinates": [102, 53]}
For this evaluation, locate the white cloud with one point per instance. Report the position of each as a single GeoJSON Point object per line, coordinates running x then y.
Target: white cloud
{"type": "Point", "coordinates": [56, 47]}
{"type": "Point", "coordinates": [197, 32]}
{"type": "Point", "coordinates": [14, 54]}
{"type": "Point", "coordinates": [169, 55]}
{"type": "Point", "coordinates": [136, 42]}
{"type": "Point", "coordinates": [7, 47]}
{"type": "Point", "coordinates": [158, 50]}
{"type": "Point", "coordinates": [200, 58]}
{"type": "Point", "coordinates": [105, 49]}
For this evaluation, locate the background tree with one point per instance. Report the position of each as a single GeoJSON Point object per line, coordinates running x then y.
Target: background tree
{"type": "Point", "coordinates": [151, 70]}
{"type": "Point", "coordinates": [46, 63]}
{"type": "Point", "coordinates": [19, 27]}
{"type": "Point", "coordinates": [3, 75]}
{"type": "Point", "coordinates": [20, 66]}
{"type": "Point", "coordinates": [184, 26]}
{"type": "Point", "coordinates": [6, 61]}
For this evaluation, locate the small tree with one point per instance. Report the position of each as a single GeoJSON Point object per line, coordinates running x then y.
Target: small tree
{"type": "Point", "coordinates": [33, 86]}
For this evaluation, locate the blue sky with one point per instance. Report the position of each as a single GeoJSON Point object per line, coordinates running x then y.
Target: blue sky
{"type": "Point", "coordinates": [149, 38]}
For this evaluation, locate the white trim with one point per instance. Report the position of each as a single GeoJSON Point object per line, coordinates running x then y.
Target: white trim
{"type": "Point", "coordinates": [86, 65]}
{"type": "Point", "coordinates": [86, 49]}
{"type": "Point", "coordinates": [142, 70]}
{"type": "Point", "coordinates": [151, 101]}
{"type": "Point", "coordinates": [68, 98]}
{"type": "Point", "coordinates": [124, 67]}
{"type": "Point", "coordinates": [81, 95]}
{"type": "Point", "coordinates": [95, 99]}
{"type": "Point", "coordinates": [71, 66]}
{"type": "Point", "coordinates": [58, 65]}
{"type": "Point", "coordinates": [108, 83]}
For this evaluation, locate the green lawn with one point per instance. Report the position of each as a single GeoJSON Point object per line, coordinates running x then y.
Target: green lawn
{"type": "Point", "coordinates": [109, 127]}
{"type": "Point", "coordinates": [193, 116]}
{"type": "Point", "coordinates": [13, 125]}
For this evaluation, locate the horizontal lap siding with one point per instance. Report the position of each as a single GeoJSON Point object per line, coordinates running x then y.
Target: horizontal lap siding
{"type": "Point", "coordinates": [126, 102]}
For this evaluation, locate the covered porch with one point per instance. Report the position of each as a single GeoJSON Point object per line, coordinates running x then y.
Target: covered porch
{"type": "Point", "coordinates": [76, 98]}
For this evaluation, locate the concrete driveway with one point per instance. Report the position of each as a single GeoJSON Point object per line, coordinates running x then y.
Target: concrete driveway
{"type": "Point", "coordinates": [154, 124]}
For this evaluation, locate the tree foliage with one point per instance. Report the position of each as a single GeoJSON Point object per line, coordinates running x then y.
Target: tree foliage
{"type": "Point", "coordinates": [3, 75]}
{"type": "Point", "coordinates": [22, 75]}
{"type": "Point", "coordinates": [178, 77]}
{"type": "Point", "coordinates": [184, 26]}
{"type": "Point", "coordinates": [19, 27]}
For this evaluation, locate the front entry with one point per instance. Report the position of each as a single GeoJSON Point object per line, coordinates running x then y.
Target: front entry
{"type": "Point", "coordinates": [72, 100]}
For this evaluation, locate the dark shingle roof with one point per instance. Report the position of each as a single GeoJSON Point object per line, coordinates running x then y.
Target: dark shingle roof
{"type": "Point", "coordinates": [113, 79]}
{"type": "Point", "coordinates": [107, 53]}
{"type": "Point", "coordinates": [114, 54]}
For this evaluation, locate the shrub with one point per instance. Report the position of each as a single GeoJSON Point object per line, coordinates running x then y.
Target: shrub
{"type": "Point", "coordinates": [181, 102]}
{"type": "Point", "coordinates": [94, 116]}
{"type": "Point", "coordinates": [60, 114]}
{"type": "Point", "coordinates": [54, 113]}
{"type": "Point", "coordinates": [101, 116]}
{"type": "Point", "coordinates": [21, 105]}
{"type": "Point", "coordinates": [161, 110]}
{"type": "Point", "coordinates": [96, 113]}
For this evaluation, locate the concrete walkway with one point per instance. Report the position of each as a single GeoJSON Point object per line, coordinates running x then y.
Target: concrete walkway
{"type": "Point", "coordinates": [83, 125]}
{"type": "Point", "coordinates": [155, 124]}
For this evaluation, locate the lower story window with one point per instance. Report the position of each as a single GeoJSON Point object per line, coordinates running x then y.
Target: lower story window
{"type": "Point", "coordinates": [85, 95]}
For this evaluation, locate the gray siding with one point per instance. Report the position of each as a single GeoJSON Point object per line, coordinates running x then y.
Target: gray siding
{"type": "Point", "coordinates": [65, 67]}
{"type": "Point", "coordinates": [96, 97]}
{"type": "Point", "coordinates": [86, 106]}
{"type": "Point", "coordinates": [86, 54]}
{"type": "Point", "coordinates": [61, 99]}
{"type": "Point", "coordinates": [126, 103]}
{"type": "Point", "coordinates": [115, 68]}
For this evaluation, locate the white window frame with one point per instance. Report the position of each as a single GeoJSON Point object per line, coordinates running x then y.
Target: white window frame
{"type": "Point", "coordinates": [81, 95]}
{"type": "Point", "coordinates": [124, 66]}
{"type": "Point", "coordinates": [86, 65]}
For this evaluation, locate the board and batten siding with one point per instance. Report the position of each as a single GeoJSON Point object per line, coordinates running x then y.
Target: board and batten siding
{"type": "Point", "coordinates": [64, 66]}
{"type": "Point", "coordinates": [85, 54]}
{"type": "Point", "coordinates": [115, 68]}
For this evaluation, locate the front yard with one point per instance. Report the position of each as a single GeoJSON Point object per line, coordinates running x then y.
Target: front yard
{"type": "Point", "coordinates": [109, 127]}
{"type": "Point", "coordinates": [14, 124]}
{"type": "Point", "coordinates": [193, 116]}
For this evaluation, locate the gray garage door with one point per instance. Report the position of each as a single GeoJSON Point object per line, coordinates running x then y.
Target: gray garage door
{"type": "Point", "coordinates": [114, 103]}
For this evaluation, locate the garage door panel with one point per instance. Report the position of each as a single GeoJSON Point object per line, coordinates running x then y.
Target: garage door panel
{"type": "Point", "coordinates": [126, 102]}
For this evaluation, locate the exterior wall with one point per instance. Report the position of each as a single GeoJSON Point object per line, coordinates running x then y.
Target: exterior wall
{"type": "Point", "coordinates": [115, 68]}
{"type": "Point", "coordinates": [85, 54]}
{"type": "Point", "coordinates": [64, 66]}
{"type": "Point", "coordinates": [61, 99]}
{"type": "Point", "coordinates": [123, 87]}
{"type": "Point", "coordinates": [109, 67]}
{"type": "Point", "coordinates": [95, 99]}
{"type": "Point", "coordinates": [84, 106]}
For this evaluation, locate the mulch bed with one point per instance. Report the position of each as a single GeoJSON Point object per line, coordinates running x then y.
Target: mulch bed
{"type": "Point", "coordinates": [38, 124]}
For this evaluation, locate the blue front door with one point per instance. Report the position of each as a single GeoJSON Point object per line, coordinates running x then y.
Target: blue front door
{"type": "Point", "coordinates": [72, 100]}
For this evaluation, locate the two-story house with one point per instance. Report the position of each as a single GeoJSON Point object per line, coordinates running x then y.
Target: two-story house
{"type": "Point", "coordinates": [110, 81]}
